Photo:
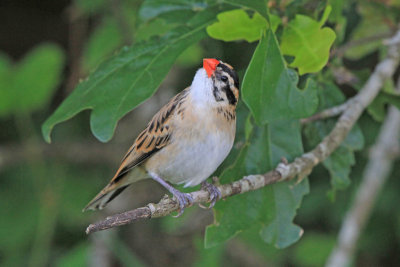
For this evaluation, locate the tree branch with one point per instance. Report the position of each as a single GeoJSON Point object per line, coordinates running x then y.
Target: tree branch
{"type": "Point", "coordinates": [376, 172]}
{"type": "Point", "coordinates": [300, 167]}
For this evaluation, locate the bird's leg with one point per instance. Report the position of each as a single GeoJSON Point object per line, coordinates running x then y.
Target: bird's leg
{"type": "Point", "coordinates": [214, 192]}
{"type": "Point", "coordinates": [184, 199]}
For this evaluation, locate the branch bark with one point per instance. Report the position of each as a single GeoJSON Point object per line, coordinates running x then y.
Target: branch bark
{"type": "Point", "coordinates": [300, 167]}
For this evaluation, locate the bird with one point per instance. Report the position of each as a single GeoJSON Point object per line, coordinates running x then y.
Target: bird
{"type": "Point", "coordinates": [185, 141]}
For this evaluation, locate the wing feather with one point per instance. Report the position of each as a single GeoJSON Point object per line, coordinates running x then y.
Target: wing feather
{"type": "Point", "coordinates": [153, 138]}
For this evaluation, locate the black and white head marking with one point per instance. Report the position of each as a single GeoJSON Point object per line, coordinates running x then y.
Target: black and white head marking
{"type": "Point", "coordinates": [225, 84]}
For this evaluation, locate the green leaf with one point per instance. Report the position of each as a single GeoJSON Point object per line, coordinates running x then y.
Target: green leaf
{"type": "Point", "coordinates": [257, 5]}
{"type": "Point", "coordinates": [339, 167]}
{"type": "Point", "coordinates": [109, 36]}
{"type": "Point", "coordinates": [37, 76]}
{"type": "Point", "coordinates": [266, 251]}
{"type": "Point", "coordinates": [377, 108]}
{"type": "Point", "coordinates": [155, 8]}
{"type": "Point", "coordinates": [207, 257]}
{"type": "Point", "coordinates": [269, 89]}
{"type": "Point", "coordinates": [153, 28]}
{"type": "Point", "coordinates": [126, 80]}
{"type": "Point", "coordinates": [274, 21]}
{"type": "Point", "coordinates": [272, 208]}
{"type": "Point", "coordinates": [389, 87]}
{"type": "Point", "coordinates": [237, 25]}
{"type": "Point", "coordinates": [337, 10]}
{"type": "Point", "coordinates": [373, 22]}
{"type": "Point", "coordinates": [29, 85]}
{"type": "Point", "coordinates": [102, 43]}
{"type": "Point", "coordinates": [306, 40]}
{"type": "Point", "coordinates": [337, 18]}
{"type": "Point", "coordinates": [181, 10]}
{"type": "Point", "coordinates": [339, 163]}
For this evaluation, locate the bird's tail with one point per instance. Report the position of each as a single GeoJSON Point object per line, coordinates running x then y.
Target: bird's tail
{"type": "Point", "coordinates": [114, 188]}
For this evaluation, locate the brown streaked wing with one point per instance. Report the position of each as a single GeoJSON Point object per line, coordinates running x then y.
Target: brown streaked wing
{"type": "Point", "coordinates": [153, 138]}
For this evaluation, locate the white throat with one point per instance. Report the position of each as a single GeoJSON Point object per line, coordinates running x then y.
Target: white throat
{"type": "Point", "coordinates": [201, 89]}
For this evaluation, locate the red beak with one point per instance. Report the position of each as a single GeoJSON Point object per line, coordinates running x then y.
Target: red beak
{"type": "Point", "coordinates": [210, 64]}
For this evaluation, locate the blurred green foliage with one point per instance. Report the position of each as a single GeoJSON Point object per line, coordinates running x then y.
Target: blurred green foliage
{"type": "Point", "coordinates": [42, 196]}
{"type": "Point", "coordinates": [30, 84]}
{"type": "Point", "coordinates": [77, 256]}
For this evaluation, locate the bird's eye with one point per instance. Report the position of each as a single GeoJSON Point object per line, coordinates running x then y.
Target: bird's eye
{"type": "Point", "coordinates": [224, 79]}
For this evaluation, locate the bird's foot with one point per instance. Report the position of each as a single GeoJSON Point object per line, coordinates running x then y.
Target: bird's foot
{"type": "Point", "coordinates": [214, 192]}
{"type": "Point", "coordinates": [184, 200]}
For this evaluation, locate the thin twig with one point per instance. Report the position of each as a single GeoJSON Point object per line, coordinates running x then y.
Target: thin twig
{"type": "Point", "coordinates": [367, 40]}
{"type": "Point", "coordinates": [344, 76]}
{"type": "Point", "coordinates": [328, 113]}
{"type": "Point", "coordinates": [300, 167]}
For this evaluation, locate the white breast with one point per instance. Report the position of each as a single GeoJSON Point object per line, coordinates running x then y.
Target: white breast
{"type": "Point", "coordinates": [196, 161]}
{"type": "Point", "coordinates": [195, 151]}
